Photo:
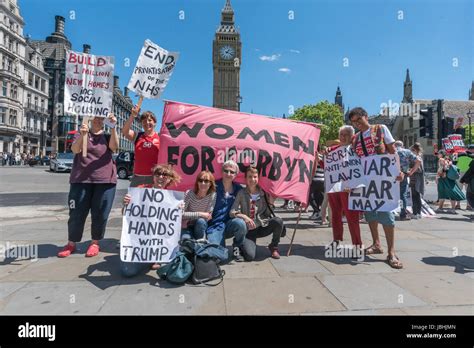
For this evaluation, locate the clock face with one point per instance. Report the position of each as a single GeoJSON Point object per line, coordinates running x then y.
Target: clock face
{"type": "Point", "coordinates": [227, 52]}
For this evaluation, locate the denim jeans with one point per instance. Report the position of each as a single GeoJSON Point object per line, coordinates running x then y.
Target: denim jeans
{"type": "Point", "coordinates": [233, 228]}
{"type": "Point", "coordinates": [196, 231]}
{"type": "Point", "coordinates": [403, 196]}
{"type": "Point", "coordinates": [98, 198]}
{"type": "Point", "coordinates": [131, 269]}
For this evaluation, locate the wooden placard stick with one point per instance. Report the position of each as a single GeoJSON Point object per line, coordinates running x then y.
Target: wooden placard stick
{"type": "Point", "coordinates": [85, 120]}
{"type": "Point", "coordinates": [294, 232]}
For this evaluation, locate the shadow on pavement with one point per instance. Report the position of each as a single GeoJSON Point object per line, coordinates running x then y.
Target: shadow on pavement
{"type": "Point", "coordinates": [108, 274]}
{"type": "Point", "coordinates": [462, 264]}
{"type": "Point", "coordinates": [461, 218]}
{"type": "Point", "coordinates": [45, 251]}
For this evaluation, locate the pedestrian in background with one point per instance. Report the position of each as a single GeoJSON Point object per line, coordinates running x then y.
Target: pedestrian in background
{"type": "Point", "coordinates": [446, 183]}
{"type": "Point", "coordinates": [417, 180]}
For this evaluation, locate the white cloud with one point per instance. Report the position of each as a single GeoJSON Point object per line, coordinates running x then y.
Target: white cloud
{"type": "Point", "coordinates": [257, 49]}
{"type": "Point", "coordinates": [271, 58]}
{"type": "Point", "coordinates": [295, 51]}
{"type": "Point", "coordinates": [284, 70]}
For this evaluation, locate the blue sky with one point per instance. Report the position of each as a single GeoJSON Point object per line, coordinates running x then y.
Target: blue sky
{"type": "Point", "coordinates": [379, 45]}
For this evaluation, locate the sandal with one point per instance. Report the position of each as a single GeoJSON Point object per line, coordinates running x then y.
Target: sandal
{"type": "Point", "coordinates": [93, 250]}
{"type": "Point", "coordinates": [394, 262]}
{"type": "Point", "coordinates": [373, 249]}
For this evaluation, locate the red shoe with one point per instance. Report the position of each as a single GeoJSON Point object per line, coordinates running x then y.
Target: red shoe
{"type": "Point", "coordinates": [274, 252]}
{"type": "Point", "coordinates": [67, 250]}
{"type": "Point", "coordinates": [93, 250]}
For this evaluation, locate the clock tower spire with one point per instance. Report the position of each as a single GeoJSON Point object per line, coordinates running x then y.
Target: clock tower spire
{"type": "Point", "coordinates": [226, 61]}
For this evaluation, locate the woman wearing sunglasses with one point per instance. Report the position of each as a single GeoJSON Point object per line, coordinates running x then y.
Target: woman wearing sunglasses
{"type": "Point", "coordinates": [198, 206]}
{"type": "Point", "coordinates": [163, 177]}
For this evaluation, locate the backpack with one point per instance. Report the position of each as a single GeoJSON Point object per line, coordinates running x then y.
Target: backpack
{"type": "Point", "coordinates": [205, 258]}
{"type": "Point", "coordinates": [453, 173]}
{"type": "Point", "coordinates": [177, 271]}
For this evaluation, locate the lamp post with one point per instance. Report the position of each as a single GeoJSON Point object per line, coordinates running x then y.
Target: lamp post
{"type": "Point", "coordinates": [239, 101]}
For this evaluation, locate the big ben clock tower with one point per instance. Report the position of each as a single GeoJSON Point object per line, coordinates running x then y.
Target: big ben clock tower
{"type": "Point", "coordinates": [226, 60]}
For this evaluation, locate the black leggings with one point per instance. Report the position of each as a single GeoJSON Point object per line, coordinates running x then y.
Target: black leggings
{"type": "Point", "coordinates": [275, 227]}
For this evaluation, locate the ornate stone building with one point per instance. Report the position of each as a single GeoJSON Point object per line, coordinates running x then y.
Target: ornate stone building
{"type": "Point", "coordinates": [12, 53]}
{"type": "Point", "coordinates": [53, 50]}
{"type": "Point", "coordinates": [122, 107]}
{"type": "Point", "coordinates": [227, 60]}
{"type": "Point", "coordinates": [35, 103]}
{"type": "Point", "coordinates": [407, 123]}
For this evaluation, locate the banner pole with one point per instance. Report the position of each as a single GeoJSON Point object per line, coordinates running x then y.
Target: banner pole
{"type": "Point", "coordinates": [316, 162]}
{"type": "Point", "coordinates": [85, 137]}
{"type": "Point", "coordinates": [294, 232]}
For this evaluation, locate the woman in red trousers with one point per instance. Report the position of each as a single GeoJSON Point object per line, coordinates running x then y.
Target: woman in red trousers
{"type": "Point", "coordinates": [338, 202]}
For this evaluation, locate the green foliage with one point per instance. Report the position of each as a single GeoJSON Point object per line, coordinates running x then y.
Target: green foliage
{"type": "Point", "coordinates": [327, 115]}
{"type": "Point", "coordinates": [466, 138]}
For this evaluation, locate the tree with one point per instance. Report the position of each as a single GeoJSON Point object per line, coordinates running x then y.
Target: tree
{"type": "Point", "coordinates": [327, 115]}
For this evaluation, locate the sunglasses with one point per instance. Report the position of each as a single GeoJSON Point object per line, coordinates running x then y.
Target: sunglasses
{"type": "Point", "coordinates": [162, 174]}
{"type": "Point", "coordinates": [204, 181]}
{"type": "Point", "coordinates": [228, 171]}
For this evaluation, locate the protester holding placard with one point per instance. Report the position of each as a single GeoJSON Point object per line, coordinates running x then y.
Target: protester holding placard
{"type": "Point", "coordinates": [163, 177]}
{"type": "Point", "coordinates": [369, 141]}
{"type": "Point", "coordinates": [417, 180]}
{"type": "Point", "coordinates": [447, 186]}
{"type": "Point", "coordinates": [222, 226]}
{"type": "Point", "coordinates": [147, 146]}
{"type": "Point", "coordinates": [252, 206]}
{"type": "Point", "coordinates": [93, 180]}
{"type": "Point", "coordinates": [198, 206]}
{"type": "Point", "coordinates": [338, 201]}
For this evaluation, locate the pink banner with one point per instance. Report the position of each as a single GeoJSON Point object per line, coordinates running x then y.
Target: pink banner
{"type": "Point", "coordinates": [197, 138]}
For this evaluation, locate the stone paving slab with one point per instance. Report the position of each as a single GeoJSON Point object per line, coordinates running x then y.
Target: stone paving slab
{"type": "Point", "coordinates": [369, 291]}
{"type": "Point", "coordinates": [442, 288]}
{"type": "Point", "coordinates": [262, 269]}
{"type": "Point", "coordinates": [73, 297]}
{"type": "Point", "coordinates": [384, 311]}
{"type": "Point", "coordinates": [160, 297]}
{"type": "Point", "coordinates": [421, 261]}
{"type": "Point", "coordinates": [301, 263]}
{"type": "Point", "coordinates": [278, 296]}
{"type": "Point", "coordinates": [442, 310]}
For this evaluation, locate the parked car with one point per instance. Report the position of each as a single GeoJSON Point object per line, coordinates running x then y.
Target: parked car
{"type": "Point", "coordinates": [44, 161]}
{"type": "Point", "coordinates": [124, 163]}
{"type": "Point", "coordinates": [62, 162]}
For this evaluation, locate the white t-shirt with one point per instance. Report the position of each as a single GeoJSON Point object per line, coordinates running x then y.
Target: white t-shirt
{"type": "Point", "coordinates": [388, 139]}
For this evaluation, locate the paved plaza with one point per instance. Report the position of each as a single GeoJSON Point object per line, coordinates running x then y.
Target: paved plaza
{"type": "Point", "coordinates": [437, 253]}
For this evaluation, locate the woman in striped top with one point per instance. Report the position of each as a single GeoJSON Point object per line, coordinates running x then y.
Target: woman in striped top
{"type": "Point", "coordinates": [198, 206]}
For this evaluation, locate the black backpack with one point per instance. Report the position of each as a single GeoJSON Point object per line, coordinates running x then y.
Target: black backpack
{"type": "Point", "coordinates": [206, 267]}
